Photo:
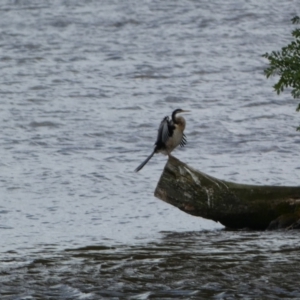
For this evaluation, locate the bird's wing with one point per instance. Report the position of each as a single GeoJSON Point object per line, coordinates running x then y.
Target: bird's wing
{"type": "Point", "coordinates": [163, 131]}
{"type": "Point", "coordinates": [183, 141]}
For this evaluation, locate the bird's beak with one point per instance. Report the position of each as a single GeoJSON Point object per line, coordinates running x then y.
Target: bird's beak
{"type": "Point", "coordinates": [185, 111]}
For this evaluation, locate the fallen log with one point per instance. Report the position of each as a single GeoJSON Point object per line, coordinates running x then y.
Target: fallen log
{"type": "Point", "coordinates": [234, 205]}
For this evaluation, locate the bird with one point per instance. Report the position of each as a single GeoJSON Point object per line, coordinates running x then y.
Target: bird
{"type": "Point", "coordinates": [170, 135]}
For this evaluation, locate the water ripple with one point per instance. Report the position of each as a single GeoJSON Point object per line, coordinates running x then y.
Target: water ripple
{"type": "Point", "coordinates": [84, 86]}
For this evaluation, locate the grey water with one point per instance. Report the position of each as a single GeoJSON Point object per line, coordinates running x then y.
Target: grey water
{"type": "Point", "coordinates": [83, 87]}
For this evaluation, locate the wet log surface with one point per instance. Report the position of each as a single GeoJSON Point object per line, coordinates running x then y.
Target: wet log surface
{"type": "Point", "coordinates": [233, 205]}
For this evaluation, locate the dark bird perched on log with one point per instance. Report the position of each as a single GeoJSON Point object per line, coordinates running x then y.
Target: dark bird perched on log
{"type": "Point", "coordinates": [170, 135]}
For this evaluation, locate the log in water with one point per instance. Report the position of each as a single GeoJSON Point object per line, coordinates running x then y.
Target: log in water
{"type": "Point", "coordinates": [233, 205]}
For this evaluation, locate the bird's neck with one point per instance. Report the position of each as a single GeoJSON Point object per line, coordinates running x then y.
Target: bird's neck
{"type": "Point", "coordinates": [180, 122]}
{"type": "Point", "coordinates": [174, 119]}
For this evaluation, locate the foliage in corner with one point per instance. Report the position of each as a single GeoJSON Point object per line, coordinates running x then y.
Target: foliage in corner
{"type": "Point", "coordinates": [286, 64]}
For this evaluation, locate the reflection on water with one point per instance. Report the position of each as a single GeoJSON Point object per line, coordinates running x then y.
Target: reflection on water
{"type": "Point", "coordinates": [191, 265]}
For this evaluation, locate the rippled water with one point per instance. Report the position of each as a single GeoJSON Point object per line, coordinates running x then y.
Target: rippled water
{"type": "Point", "coordinates": [190, 265]}
{"type": "Point", "coordinates": [84, 85]}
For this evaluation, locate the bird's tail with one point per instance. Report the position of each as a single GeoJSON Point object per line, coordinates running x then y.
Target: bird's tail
{"type": "Point", "coordinates": [144, 162]}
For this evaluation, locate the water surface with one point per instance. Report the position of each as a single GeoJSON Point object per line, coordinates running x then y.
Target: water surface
{"type": "Point", "coordinates": [84, 85]}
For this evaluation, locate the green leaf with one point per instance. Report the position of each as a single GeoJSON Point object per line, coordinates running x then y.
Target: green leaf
{"type": "Point", "coordinates": [286, 65]}
{"type": "Point", "coordinates": [295, 20]}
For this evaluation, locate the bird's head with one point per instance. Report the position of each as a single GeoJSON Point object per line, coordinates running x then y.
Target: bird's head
{"type": "Point", "coordinates": [178, 111]}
